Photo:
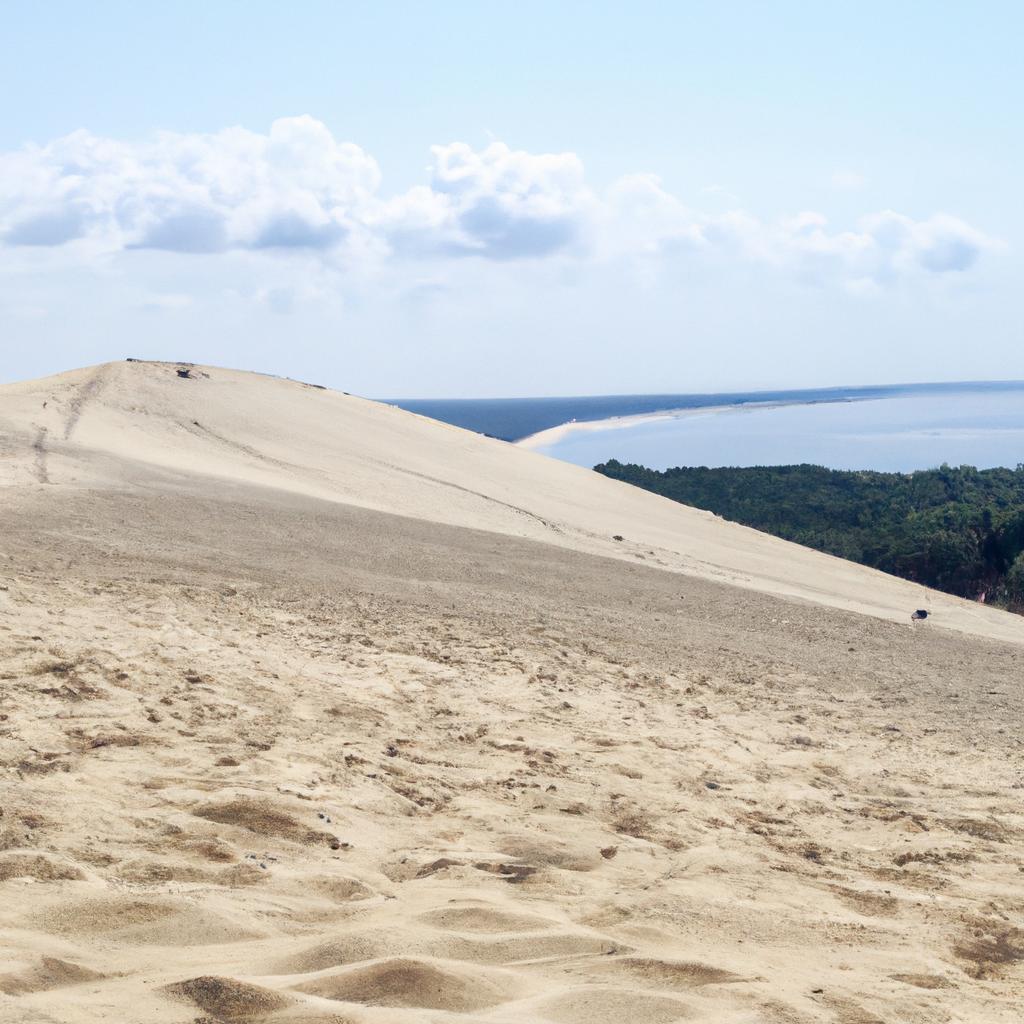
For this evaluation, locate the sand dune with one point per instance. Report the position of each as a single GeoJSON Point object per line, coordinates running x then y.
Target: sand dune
{"type": "Point", "coordinates": [131, 424]}
{"type": "Point", "coordinates": [314, 710]}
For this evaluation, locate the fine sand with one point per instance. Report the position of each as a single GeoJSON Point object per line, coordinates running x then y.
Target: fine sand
{"type": "Point", "coordinates": [315, 710]}
{"type": "Point", "coordinates": [552, 435]}
{"type": "Point", "coordinates": [546, 439]}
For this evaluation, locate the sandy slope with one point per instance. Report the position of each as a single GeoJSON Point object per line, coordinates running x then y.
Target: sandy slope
{"type": "Point", "coordinates": [106, 425]}
{"type": "Point", "coordinates": [272, 753]}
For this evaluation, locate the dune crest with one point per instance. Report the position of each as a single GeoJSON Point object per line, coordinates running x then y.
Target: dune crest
{"type": "Point", "coordinates": [134, 423]}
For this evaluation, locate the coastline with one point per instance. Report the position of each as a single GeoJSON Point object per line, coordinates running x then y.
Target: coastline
{"type": "Point", "coordinates": [519, 419]}
{"type": "Point", "coordinates": [554, 435]}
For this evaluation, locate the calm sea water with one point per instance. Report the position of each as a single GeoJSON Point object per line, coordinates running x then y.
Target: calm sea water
{"type": "Point", "coordinates": [514, 418]}
{"type": "Point", "coordinates": [896, 428]}
{"type": "Point", "coordinates": [900, 433]}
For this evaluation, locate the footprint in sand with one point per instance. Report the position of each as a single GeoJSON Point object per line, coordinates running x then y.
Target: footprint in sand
{"type": "Point", "coordinates": [49, 973]}
{"type": "Point", "coordinates": [228, 999]}
{"type": "Point", "coordinates": [159, 922]}
{"type": "Point", "coordinates": [669, 974]}
{"type": "Point", "coordinates": [423, 984]}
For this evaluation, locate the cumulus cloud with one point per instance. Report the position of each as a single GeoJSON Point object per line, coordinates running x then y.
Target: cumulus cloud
{"type": "Point", "coordinates": [497, 203]}
{"type": "Point", "coordinates": [297, 188]}
{"type": "Point", "coordinates": [47, 227]}
{"type": "Point", "coordinates": [881, 248]}
{"type": "Point", "coordinates": [886, 246]}
{"type": "Point", "coordinates": [293, 187]}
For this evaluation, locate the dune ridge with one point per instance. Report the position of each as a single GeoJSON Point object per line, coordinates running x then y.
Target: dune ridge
{"type": "Point", "coordinates": [112, 425]}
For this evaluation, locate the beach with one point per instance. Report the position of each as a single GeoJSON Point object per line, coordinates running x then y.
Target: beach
{"type": "Point", "coordinates": [547, 440]}
{"type": "Point", "coordinates": [898, 433]}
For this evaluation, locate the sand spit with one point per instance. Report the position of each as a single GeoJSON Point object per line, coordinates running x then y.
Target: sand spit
{"type": "Point", "coordinates": [553, 435]}
{"type": "Point", "coordinates": [274, 755]}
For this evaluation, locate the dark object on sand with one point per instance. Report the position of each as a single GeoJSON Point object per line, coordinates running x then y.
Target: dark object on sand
{"type": "Point", "coordinates": [184, 371]}
{"type": "Point", "coordinates": [617, 536]}
{"type": "Point", "coordinates": [919, 614]}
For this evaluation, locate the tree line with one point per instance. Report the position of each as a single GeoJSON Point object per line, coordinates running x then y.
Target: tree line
{"type": "Point", "coordinates": [955, 528]}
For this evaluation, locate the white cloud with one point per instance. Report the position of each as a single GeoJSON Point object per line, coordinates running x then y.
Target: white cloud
{"type": "Point", "coordinates": [888, 245]}
{"type": "Point", "coordinates": [292, 188]}
{"type": "Point", "coordinates": [296, 188]}
{"type": "Point", "coordinates": [497, 203]}
{"type": "Point", "coordinates": [881, 248]}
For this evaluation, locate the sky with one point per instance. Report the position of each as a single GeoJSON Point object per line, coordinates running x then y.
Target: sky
{"type": "Point", "coordinates": [483, 199]}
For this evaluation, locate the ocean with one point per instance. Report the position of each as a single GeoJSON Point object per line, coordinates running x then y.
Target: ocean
{"type": "Point", "coordinates": [893, 428]}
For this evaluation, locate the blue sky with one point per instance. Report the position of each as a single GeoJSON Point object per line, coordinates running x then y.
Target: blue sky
{"type": "Point", "coordinates": [488, 199]}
